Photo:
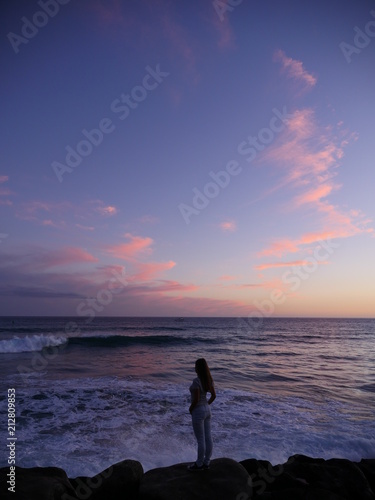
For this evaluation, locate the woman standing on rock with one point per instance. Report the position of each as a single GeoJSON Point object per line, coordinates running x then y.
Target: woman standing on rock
{"type": "Point", "coordinates": [201, 413]}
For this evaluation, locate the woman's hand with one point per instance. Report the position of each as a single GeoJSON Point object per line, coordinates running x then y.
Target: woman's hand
{"type": "Point", "coordinates": [196, 396]}
{"type": "Point", "coordinates": [213, 395]}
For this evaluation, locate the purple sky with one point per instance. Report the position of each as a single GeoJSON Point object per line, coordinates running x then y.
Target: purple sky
{"type": "Point", "coordinates": [187, 158]}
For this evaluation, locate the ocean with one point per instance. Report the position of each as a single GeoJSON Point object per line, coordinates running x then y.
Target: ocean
{"type": "Point", "coordinates": [88, 395]}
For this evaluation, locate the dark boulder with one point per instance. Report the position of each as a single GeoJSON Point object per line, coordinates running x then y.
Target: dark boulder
{"type": "Point", "coordinates": [224, 480]}
{"type": "Point", "coordinates": [115, 483]}
{"type": "Point", "coordinates": [50, 483]}
{"type": "Point", "coordinates": [339, 477]}
{"type": "Point", "coordinates": [367, 466]}
{"type": "Point", "coordinates": [36, 483]}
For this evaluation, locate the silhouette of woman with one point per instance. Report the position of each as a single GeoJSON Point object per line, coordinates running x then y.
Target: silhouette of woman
{"type": "Point", "coordinates": [201, 413]}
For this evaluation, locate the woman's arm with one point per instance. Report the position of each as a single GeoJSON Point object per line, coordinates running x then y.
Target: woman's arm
{"type": "Point", "coordinates": [196, 396]}
{"type": "Point", "coordinates": [213, 394]}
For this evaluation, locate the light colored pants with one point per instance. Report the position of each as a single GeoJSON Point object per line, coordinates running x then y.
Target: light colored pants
{"type": "Point", "coordinates": [201, 417]}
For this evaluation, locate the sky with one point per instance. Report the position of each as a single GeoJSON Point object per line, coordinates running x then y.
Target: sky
{"type": "Point", "coordinates": [187, 158]}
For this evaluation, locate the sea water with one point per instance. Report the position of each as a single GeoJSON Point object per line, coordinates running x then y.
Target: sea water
{"type": "Point", "coordinates": [118, 388]}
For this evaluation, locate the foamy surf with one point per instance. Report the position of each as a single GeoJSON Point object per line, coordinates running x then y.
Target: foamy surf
{"type": "Point", "coordinates": [29, 344]}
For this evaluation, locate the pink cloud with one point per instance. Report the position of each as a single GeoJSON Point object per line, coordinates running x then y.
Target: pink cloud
{"type": "Point", "coordinates": [294, 69]}
{"type": "Point", "coordinates": [63, 257]}
{"type": "Point", "coordinates": [313, 195]}
{"type": "Point", "coordinates": [29, 278]}
{"type": "Point", "coordinates": [109, 210]}
{"type": "Point", "coordinates": [228, 226]}
{"type": "Point", "coordinates": [274, 265]}
{"type": "Point", "coordinates": [227, 277]}
{"type": "Point", "coordinates": [279, 248]}
{"type": "Point", "coordinates": [309, 155]}
{"type": "Point", "coordinates": [146, 271]}
{"type": "Point", "coordinates": [137, 246]}
{"type": "Point", "coordinates": [339, 225]}
{"type": "Point", "coordinates": [3, 178]}
{"type": "Point", "coordinates": [305, 150]}
{"type": "Point", "coordinates": [161, 287]}
{"type": "Point", "coordinates": [106, 210]}
{"type": "Point", "coordinates": [223, 28]}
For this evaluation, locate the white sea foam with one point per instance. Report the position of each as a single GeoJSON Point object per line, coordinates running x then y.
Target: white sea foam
{"type": "Point", "coordinates": [86, 425]}
{"type": "Point", "coordinates": [32, 343]}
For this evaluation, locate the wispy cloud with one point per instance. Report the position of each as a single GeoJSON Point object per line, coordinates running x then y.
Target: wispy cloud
{"type": "Point", "coordinates": [228, 226]}
{"type": "Point", "coordinates": [60, 214]}
{"type": "Point", "coordinates": [150, 23]}
{"type": "Point", "coordinates": [149, 219]}
{"type": "Point", "coordinates": [5, 192]}
{"type": "Point", "coordinates": [85, 228]}
{"type": "Point", "coordinates": [109, 12]}
{"type": "Point", "coordinates": [228, 277]}
{"type": "Point", "coordinates": [223, 28]}
{"type": "Point", "coordinates": [313, 195]}
{"type": "Point", "coordinates": [106, 210]}
{"type": "Point", "coordinates": [294, 70]}
{"type": "Point", "coordinates": [43, 213]}
{"type": "Point", "coordinates": [180, 43]}
{"type": "Point", "coordinates": [342, 227]}
{"type": "Point", "coordinates": [274, 265]}
{"type": "Point", "coordinates": [136, 246]}
{"type": "Point", "coordinates": [308, 156]}
{"type": "Point", "coordinates": [147, 271]}
{"type": "Point", "coordinates": [27, 274]}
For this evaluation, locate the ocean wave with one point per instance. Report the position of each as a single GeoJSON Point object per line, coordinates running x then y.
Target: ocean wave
{"type": "Point", "coordinates": [29, 344]}
{"type": "Point", "coordinates": [151, 328]}
{"type": "Point", "coordinates": [21, 329]}
{"type": "Point", "coordinates": [127, 340]}
{"type": "Point", "coordinates": [40, 342]}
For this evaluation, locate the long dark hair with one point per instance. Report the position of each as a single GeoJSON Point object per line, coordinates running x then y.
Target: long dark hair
{"type": "Point", "coordinates": [204, 374]}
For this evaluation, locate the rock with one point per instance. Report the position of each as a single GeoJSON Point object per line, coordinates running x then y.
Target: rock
{"type": "Point", "coordinates": [367, 466]}
{"type": "Point", "coordinates": [37, 483]}
{"type": "Point", "coordinates": [115, 483]}
{"type": "Point", "coordinates": [224, 480]}
{"type": "Point", "coordinates": [339, 478]}
{"type": "Point", "coordinates": [50, 483]}
{"type": "Point", "coordinates": [266, 478]}
{"type": "Point", "coordinates": [300, 478]}
{"type": "Point", "coordinates": [304, 477]}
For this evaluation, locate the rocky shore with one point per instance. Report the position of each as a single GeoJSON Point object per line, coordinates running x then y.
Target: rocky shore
{"type": "Point", "coordinates": [300, 477]}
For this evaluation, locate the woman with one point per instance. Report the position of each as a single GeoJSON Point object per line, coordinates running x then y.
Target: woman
{"type": "Point", "coordinates": [201, 413]}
